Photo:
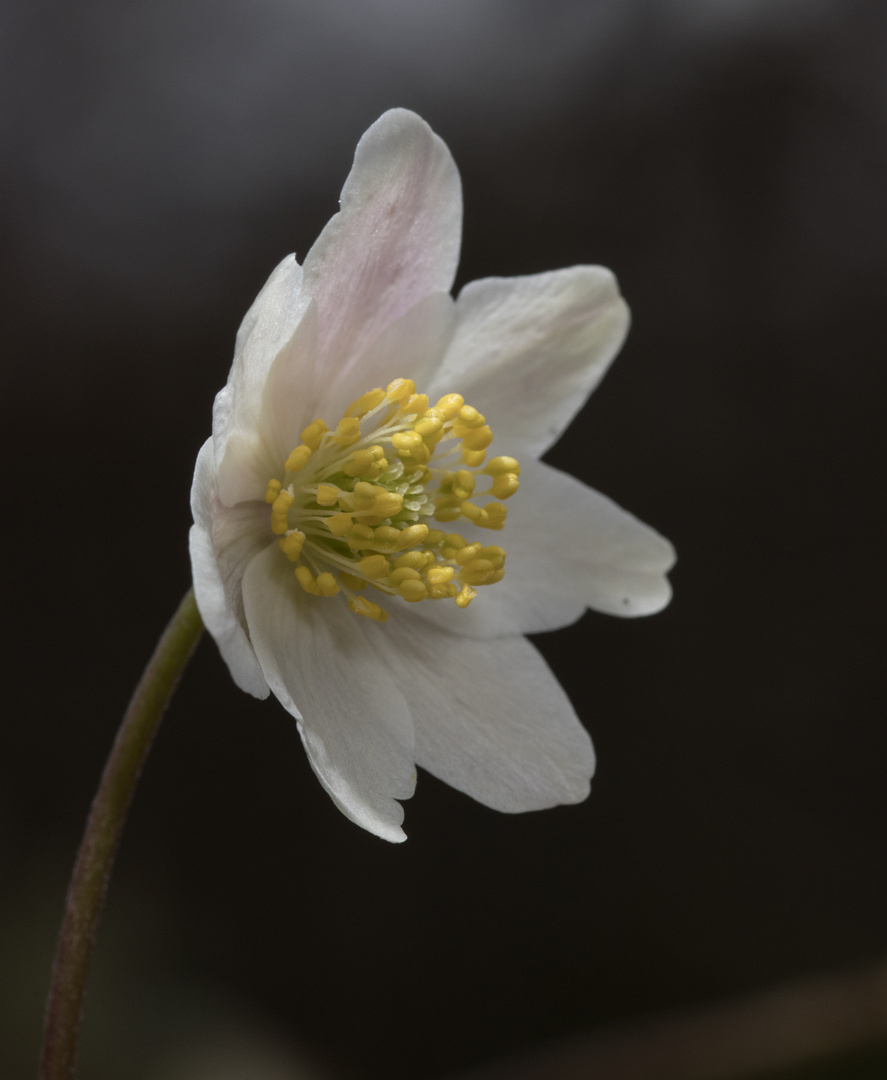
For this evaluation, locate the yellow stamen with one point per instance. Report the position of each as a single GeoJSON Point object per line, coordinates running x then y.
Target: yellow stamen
{"type": "Point", "coordinates": [279, 509]}
{"type": "Point", "coordinates": [340, 524]}
{"type": "Point", "coordinates": [327, 584]}
{"type": "Point", "coordinates": [366, 402]}
{"type": "Point", "coordinates": [465, 596]}
{"type": "Point", "coordinates": [374, 566]}
{"type": "Point", "coordinates": [449, 405]}
{"type": "Point", "coordinates": [364, 494]}
{"type": "Point", "coordinates": [401, 389]}
{"type": "Point", "coordinates": [348, 431]}
{"type": "Point", "coordinates": [298, 459]}
{"type": "Point", "coordinates": [314, 433]}
{"type": "Point", "coordinates": [505, 485]}
{"type": "Point", "coordinates": [499, 465]}
{"type": "Point", "coordinates": [291, 545]}
{"type": "Point", "coordinates": [361, 606]}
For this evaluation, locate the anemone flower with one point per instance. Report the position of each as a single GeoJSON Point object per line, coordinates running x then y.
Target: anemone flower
{"type": "Point", "coordinates": [348, 512]}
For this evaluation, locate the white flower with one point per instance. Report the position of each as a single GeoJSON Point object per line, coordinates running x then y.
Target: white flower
{"type": "Point", "coordinates": [303, 527]}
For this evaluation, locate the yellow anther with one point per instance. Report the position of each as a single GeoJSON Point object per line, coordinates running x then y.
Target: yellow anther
{"type": "Point", "coordinates": [495, 554]}
{"type": "Point", "coordinates": [327, 495]}
{"type": "Point", "coordinates": [469, 417]}
{"type": "Point", "coordinates": [476, 514]}
{"type": "Point", "coordinates": [463, 484]}
{"type": "Point", "coordinates": [352, 582]}
{"type": "Point", "coordinates": [364, 495]}
{"type": "Point", "coordinates": [415, 560]}
{"type": "Point", "coordinates": [298, 459]}
{"type": "Point", "coordinates": [386, 537]}
{"type": "Point", "coordinates": [491, 516]}
{"type": "Point", "coordinates": [348, 431]}
{"type": "Point", "coordinates": [498, 465]}
{"type": "Point", "coordinates": [279, 509]}
{"type": "Point", "coordinates": [360, 537]}
{"type": "Point", "coordinates": [449, 405]}
{"type": "Point", "coordinates": [496, 514]}
{"type": "Point", "coordinates": [415, 403]}
{"type": "Point", "coordinates": [400, 389]}
{"type": "Point", "coordinates": [401, 574]}
{"type": "Point", "coordinates": [314, 433]}
{"type": "Point", "coordinates": [366, 402]}
{"type": "Point", "coordinates": [478, 438]}
{"type": "Point", "coordinates": [291, 545]}
{"type": "Point", "coordinates": [374, 510]}
{"type": "Point", "coordinates": [446, 591]}
{"type": "Point", "coordinates": [447, 513]}
{"type": "Point", "coordinates": [468, 553]}
{"type": "Point", "coordinates": [374, 566]}
{"type": "Point", "coordinates": [388, 503]}
{"type": "Point", "coordinates": [465, 596]}
{"type": "Point", "coordinates": [365, 462]}
{"type": "Point", "coordinates": [379, 466]}
{"type": "Point", "coordinates": [473, 458]}
{"type": "Point", "coordinates": [440, 575]}
{"type": "Point", "coordinates": [419, 455]}
{"type": "Point", "coordinates": [306, 579]}
{"type": "Point", "coordinates": [505, 485]}
{"type": "Point", "coordinates": [361, 606]}
{"type": "Point", "coordinates": [413, 591]}
{"type": "Point", "coordinates": [412, 535]}
{"type": "Point", "coordinates": [406, 441]}
{"type": "Point", "coordinates": [327, 584]}
{"type": "Point", "coordinates": [477, 572]}
{"type": "Point", "coordinates": [340, 524]}
{"type": "Point", "coordinates": [428, 425]}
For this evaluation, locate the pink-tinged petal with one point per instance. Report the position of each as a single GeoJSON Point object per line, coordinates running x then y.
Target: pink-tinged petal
{"type": "Point", "coordinates": [569, 548]}
{"type": "Point", "coordinates": [395, 239]}
{"type": "Point", "coordinates": [218, 608]}
{"type": "Point", "coordinates": [491, 719]}
{"type": "Point", "coordinates": [412, 347]}
{"type": "Point", "coordinates": [353, 719]}
{"type": "Point", "coordinates": [528, 351]}
{"type": "Point", "coordinates": [266, 329]}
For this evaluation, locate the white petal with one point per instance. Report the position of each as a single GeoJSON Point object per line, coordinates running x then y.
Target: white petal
{"type": "Point", "coordinates": [528, 351]}
{"type": "Point", "coordinates": [569, 548]}
{"type": "Point", "coordinates": [244, 466]}
{"type": "Point", "coordinates": [491, 719]}
{"type": "Point", "coordinates": [395, 239]}
{"type": "Point", "coordinates": [203, 484]}
{"type": "Point", "coordinates": [220, 606]}
{"type": "Point", "coordinates": [412, 347]}
{"type": "Point", "coordinates": [266, 328]}
{"type": "Point", "coordinates": [287, 406]}
{"type": "Point", "coordinates": [354, 721]}
{"type": "Point", "coordinates": [218, 617]}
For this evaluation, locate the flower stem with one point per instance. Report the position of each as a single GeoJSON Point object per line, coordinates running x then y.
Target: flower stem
{"type": "Point", "coordinates": [89, 881]}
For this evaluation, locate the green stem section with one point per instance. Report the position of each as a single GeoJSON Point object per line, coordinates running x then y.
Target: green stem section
{"type": "Point", "coordinates": [89, 881]}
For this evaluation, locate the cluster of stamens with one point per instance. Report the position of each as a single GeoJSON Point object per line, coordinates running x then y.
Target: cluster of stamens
{"type": "Point", "coordinates": [351, 506]}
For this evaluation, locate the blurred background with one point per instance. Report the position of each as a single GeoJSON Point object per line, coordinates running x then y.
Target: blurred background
{"type": "Point", "coordinates": [728, 159]}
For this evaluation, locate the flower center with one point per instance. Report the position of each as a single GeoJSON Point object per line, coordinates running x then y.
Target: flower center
{"type": "Point", "coordinates": [351, 505]}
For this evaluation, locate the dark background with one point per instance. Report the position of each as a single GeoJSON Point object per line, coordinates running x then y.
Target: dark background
{"type": "Point", "coordinates": [729, 161]}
